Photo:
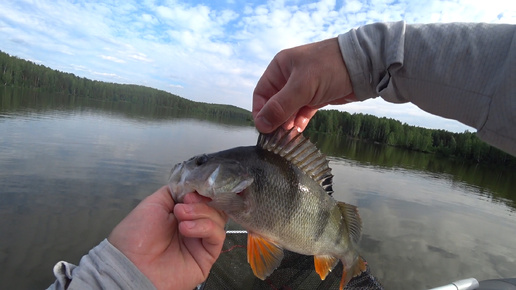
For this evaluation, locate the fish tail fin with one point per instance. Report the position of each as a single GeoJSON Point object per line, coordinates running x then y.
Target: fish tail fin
{"type": "Point", "coordinates": [349, 272]}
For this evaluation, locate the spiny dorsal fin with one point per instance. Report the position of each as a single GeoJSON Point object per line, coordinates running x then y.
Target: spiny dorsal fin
{"type": "Point", "coordinates": [352, 220]}
{"type": "Point", "coordinates": [294, 147]}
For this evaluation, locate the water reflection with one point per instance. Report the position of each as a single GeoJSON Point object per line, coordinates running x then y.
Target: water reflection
{"type": "Point", "coordinates": [69, 173]}
{"type": "Point", "coordinates": [490, 181]}
{"type": "Point", "coordinates": [421, 231]}
{"type": "Point", "coordinates": [34, 103]}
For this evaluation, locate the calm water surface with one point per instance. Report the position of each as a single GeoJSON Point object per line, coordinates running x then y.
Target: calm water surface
{"type": "Point", "coordinates": [69, 172]}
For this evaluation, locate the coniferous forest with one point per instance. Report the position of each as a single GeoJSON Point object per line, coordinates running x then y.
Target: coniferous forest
{"type": "Point", "coordinates": [392, 132]}
{"type": "Point", "coordinates": [15, 72]}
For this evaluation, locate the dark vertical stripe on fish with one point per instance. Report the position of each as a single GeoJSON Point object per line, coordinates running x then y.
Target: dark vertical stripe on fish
{"type": "Point", "coordinates": [288, 192]}
{"type": "Point", "coordinates": [343, 229]}
{"type": "Point", "coordinates": [323, 219]}
{"type": "Point", "coordinates": [294, 199]}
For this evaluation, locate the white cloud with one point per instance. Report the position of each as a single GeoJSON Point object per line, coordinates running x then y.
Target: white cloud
{"type": "Point", "coordinates": [140, 56]}
{"type": "Point", "coordinates": [79, 67]}
{"type": "Point", "coordinates": [149, 18]}
{"type": "Point", "coordinates": [112, 75]}
{"type": "Point", "coordinates": [112, 58]}
{"type": "Point", "coordinates": [352, 6]}
{"type": "Point", "coordinates": [216, 51]}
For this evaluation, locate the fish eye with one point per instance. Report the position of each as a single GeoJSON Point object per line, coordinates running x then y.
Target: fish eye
{"type": "Point", "coordinates": [200, 160]}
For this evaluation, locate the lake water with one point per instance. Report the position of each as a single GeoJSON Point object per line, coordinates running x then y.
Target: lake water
{"type": "Point", "coordinates": [70, 170]}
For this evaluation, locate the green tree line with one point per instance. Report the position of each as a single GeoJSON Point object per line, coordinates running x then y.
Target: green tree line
{"type": "Point", "coordinates": [19, 73]}
{"type": "Point", "coordinates": [16, 72]}
{"type": "Point", "coordinates": [392, 132]}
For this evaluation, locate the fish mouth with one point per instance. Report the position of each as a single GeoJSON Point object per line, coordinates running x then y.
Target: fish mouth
{"type": "Point", "coordinates": [209, 179]}
{"type": "Point", "coordinates": [176, 182]}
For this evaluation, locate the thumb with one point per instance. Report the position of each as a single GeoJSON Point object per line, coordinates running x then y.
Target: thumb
{"type": "Point", "coordinates": [281, 107]}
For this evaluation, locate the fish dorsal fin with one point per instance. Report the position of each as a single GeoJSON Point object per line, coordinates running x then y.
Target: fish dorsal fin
{"type": "Point", "coordinates": [352, 221]}
{"type": "Point", "coordinates": [324, 264]}
{"type": "Point", "coordinates": [263, 256]}
{"type": "Point", "coordinates": [293, 146]}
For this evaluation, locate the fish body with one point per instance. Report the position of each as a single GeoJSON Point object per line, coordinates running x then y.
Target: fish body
{"type": "Point", "coordinates": [280, 191]}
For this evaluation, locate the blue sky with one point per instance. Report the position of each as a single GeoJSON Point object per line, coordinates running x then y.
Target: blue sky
{"type": "Point", "coordinates": [211, 51]}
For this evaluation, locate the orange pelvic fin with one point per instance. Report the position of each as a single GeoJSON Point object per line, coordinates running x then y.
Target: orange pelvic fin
{"type": "Point", "coordinates": [358, 267]}
{"type": "Point", "coordinates": [263, 255]}
{"type": "Point", "coordinates": [324, 264]}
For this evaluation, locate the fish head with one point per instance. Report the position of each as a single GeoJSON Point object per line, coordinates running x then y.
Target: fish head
{"type": "Point", "coordinates": [209, 175]}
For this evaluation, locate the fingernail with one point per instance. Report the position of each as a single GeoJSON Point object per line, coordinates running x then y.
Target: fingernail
{"type": "Point", "coordinates": [304, 121]}
{"type": "Point", "coordinates": [189, 224]}
{"type": "Point", "coordinates": [265, 124]}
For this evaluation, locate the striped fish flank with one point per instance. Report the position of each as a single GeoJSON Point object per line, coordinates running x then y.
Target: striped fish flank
{"type": "Point", "coordinates": [280, 191]}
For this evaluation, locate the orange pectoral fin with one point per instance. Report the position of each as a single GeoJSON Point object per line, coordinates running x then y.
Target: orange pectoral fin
{"type": "Point", "coordinates": [263, 255]}
{"type": "Point", "coordinates": [324, 264]}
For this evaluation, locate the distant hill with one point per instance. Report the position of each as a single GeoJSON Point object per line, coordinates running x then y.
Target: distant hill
{"type": "Point", "coordinates": [20, 73]}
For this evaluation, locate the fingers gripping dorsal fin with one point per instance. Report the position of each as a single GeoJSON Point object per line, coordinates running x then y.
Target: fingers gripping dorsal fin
{"type": "Point", "coordinates": [263, 255]}
{"type": "Point", "coordinates": [324, 264]}
{"type": "Point", "coordinates": [293, 146]}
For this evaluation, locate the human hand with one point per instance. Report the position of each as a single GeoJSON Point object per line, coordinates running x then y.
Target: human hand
{"type": "Point", "coordinates": [174, 245]}
{"type": "Point", "coordinates": [297, 82]}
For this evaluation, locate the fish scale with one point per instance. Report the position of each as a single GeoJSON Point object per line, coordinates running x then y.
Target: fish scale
{"type": "Point", "coordinates": [280, 192]}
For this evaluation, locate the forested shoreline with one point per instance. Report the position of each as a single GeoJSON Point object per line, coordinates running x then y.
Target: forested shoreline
{"type": "Point", "coordinates": [16, 72]}
{"type": "Point", "coordinates": [392, 132]}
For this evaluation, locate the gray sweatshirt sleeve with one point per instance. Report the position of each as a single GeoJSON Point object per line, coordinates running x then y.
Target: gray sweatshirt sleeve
{"type": "Point", "coordinates": [461, 71]}
{"type": "Point", "coordinates": [104, 267]}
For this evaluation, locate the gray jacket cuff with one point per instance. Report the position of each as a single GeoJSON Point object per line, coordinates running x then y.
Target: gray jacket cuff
{"type": "Point", "coordinates": [370, 53]}
{"type": "Point", "coordinates": [104, 267]}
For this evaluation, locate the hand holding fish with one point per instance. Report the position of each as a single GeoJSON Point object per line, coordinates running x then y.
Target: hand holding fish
{"type": "Point", "coordinates": [174, 245]}
{"type": "Point", "coordinates": [297, 82]}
